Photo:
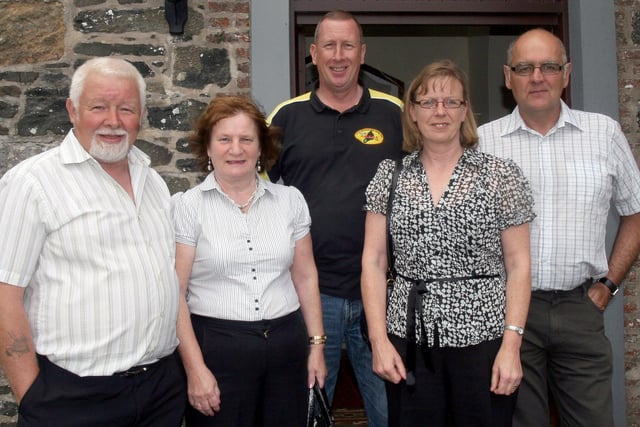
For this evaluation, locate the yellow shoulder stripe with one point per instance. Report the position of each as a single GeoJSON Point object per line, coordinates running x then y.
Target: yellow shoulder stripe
{"type": "Point", "coordinates": [299, 98]}
{"type": "Point", "coordinates": [376, 94]}
{"type": "Point", "coordinates": [264, 176]}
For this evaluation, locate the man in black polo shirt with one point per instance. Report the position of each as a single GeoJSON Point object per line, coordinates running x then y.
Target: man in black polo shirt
{"type": "Point", "coordinates": [333, 139]}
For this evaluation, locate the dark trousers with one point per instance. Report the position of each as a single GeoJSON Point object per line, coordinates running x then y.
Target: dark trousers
{"type": "Point", "coordinates": [452, 389]}
{"type": "Point", "coordinates": [565, 351]}
{"type": "Point", "coordinates": [261, 369]}
{"type": "Point", "coordinates": [59, 398]}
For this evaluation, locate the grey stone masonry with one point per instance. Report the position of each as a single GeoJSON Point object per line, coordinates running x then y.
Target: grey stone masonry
{"type": "Point", "coordinates": [628, 50]}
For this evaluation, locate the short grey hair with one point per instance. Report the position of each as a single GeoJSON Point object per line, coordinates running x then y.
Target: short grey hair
{"type": "Point", "coordinates": [105, 66]}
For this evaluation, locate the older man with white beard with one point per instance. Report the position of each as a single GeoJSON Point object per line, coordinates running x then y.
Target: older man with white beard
{"type": "Point", "coordinates": [88, 290]}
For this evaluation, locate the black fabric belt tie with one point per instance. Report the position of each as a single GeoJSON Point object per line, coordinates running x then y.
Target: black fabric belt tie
{"type": "Point", "coordinates": [414, 303]}
{"type": "Point", "coordinates": [414, 309]}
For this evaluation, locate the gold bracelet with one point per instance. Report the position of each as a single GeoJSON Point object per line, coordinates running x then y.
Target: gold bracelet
{"type": "Point", "coordinates": [318, 339]}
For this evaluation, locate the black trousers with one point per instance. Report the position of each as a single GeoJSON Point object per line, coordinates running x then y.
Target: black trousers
{"type": "Point", "coordinates": [452, 389]}
{"type": "Point", "coordinates": [261, 369]}
{"type": "Point", "coordinates": [59, 398]}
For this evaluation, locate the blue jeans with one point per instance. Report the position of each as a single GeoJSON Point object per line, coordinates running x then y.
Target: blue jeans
{"type": "Point", "coordinates": [341, 319]}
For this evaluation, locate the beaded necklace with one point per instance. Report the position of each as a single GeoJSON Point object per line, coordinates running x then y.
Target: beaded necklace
{"type": "Point", "coordinates": [249, 200]}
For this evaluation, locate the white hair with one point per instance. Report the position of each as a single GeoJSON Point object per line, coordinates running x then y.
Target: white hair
{"type": "Point", "coordinates": [105, 66]}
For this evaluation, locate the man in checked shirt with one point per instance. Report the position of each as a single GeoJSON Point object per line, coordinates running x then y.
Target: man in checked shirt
{"type": "Point", "coordinates": [577, 163]}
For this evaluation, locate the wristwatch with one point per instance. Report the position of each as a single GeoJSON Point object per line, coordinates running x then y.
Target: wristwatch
{"type": "Point", "coordinates": [609, 284]}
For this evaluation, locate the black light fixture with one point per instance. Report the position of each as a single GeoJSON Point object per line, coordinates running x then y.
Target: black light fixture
{"type": "Point", "coordinates": [176, 13]}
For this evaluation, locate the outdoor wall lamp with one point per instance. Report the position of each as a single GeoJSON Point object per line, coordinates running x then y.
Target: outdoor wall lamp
{"type": "Point", "coordinates": [176, 12]}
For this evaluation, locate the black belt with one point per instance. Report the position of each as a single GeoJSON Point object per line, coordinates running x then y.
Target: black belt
{"type": "Point", "coordinates": [139, 369]}
{"type": "Point", "coordinates": [414, 304]}
{"type": "Point", "coordinates": [577, 290]}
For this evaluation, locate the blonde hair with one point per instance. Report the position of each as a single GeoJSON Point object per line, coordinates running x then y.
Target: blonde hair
{"type": "Point", "coordinates": [437, 71]}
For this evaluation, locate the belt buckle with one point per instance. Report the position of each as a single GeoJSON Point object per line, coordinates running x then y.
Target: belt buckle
{"type": "Point", "coordinates": [132, 371]}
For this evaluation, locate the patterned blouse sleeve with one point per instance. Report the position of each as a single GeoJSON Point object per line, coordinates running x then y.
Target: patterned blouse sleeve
{"type": "Point", "coordinates": [377, 191]}
{"type": "Point", "coordinates": [515, 200]}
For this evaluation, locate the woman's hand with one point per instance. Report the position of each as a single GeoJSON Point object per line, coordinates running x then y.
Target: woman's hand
{"type": "Point", "coordinates": [387, 363]}
{"type": "Point", "coordinates": [203, 391]}
{"type": "Point", "coordinates": [316, 365]}
{"type": "Point", "coordinates": [506, 373]}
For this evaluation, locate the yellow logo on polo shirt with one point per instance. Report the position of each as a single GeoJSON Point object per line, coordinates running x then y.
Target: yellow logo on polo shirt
{"type": "Point", "coordinates": [369, 136]}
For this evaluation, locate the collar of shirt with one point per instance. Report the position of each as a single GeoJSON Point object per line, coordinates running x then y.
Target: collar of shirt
{"type": "Point", "coordinates": [516, 122]}
{"type": "Point", "coordinates": [71, 151]}
{"type": "Point", "coordinates": [362, 107]}
{"type": "Point", "coordinates": [210, 183]}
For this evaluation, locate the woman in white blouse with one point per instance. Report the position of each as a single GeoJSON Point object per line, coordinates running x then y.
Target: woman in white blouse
{"type": "Point", "coordinates": [250, 323]}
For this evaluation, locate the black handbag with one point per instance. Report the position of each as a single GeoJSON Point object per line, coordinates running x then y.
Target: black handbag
{"type": "Point", "coordinates": [318, 410]}
{"type": "Point", "coordinates": [391, 268]}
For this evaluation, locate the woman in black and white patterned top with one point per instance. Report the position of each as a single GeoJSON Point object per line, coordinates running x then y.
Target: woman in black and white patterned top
{"type": "Point", "coordinates": [449, 344]}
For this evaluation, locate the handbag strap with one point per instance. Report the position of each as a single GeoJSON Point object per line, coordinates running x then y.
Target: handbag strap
{"type": "Point", "coordinates": [319, 412]}
{"type": "Point", "coordinates": [392, 193]}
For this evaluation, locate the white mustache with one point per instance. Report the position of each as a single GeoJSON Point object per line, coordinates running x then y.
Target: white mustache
{"type": "Point", "coordinates": [117, 132]}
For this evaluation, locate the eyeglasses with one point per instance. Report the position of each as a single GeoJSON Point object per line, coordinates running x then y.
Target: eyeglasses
{"type": "Point", "coordinates": [448, 103]}
{"type": "Point", "coordinates": [546, 68]}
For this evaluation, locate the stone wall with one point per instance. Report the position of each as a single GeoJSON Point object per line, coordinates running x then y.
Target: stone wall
{"type": "Point", "coordinates": [42, 41]}
{"type": "Point", "coordinates": [628, 40]}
